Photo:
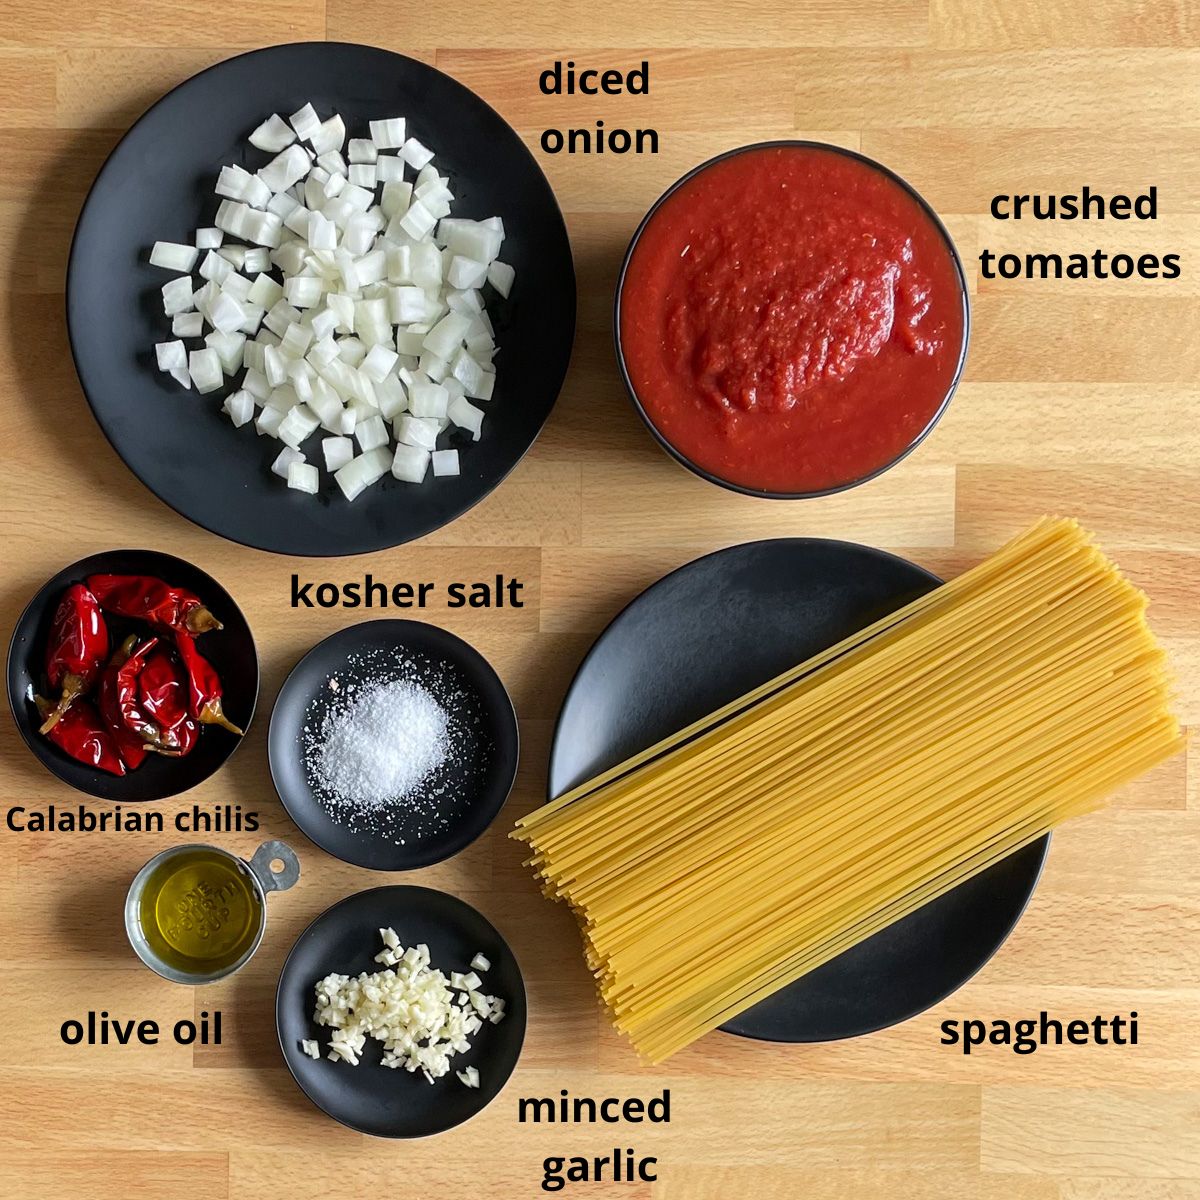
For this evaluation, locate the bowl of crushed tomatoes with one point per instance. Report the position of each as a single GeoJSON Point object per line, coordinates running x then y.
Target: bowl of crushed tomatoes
{"type": "Point", "coordinates": [132, 675]}
{"type": "Point", "coordinates": [791, 319]}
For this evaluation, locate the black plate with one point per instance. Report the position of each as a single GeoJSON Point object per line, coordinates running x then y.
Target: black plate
{"type": "Point", "coordinates": [470, 788]}
{"type": "Point", "coordinates": [710, 632]}
{"type": "Point", "coordinates": [231, 650]}
{"type": "Point", "coordinates": [157, 185]}
{"type": "Point", "coordinates": [380, 1100]}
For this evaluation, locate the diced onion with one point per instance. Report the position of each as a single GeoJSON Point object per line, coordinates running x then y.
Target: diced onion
{"type": "Point", "coordinates": [340, 296]}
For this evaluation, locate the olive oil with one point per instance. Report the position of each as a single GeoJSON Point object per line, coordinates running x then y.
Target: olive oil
{"type": "Point", "coordinates": [200, 911]}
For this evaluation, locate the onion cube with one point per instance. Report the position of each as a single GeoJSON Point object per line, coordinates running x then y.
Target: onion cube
{"type": "Point", "coordinates": [324, 351]}
{"type": "Point", "coordinates": [500, 275]}
{"type": "Point", "coordinates": [274, 366]}
{"type": "Point", "coordinates": [371, 433]}
{"type": "Point", "coordinates": [255, 382]}
{"type": "Point", "coordinates": [362, 150]}
{"type": "Point", "coordinates": [388, 134]}
{"type": "Point", "coordinates": [322, 233]}
{"type": "Point", "coordinates": [329, 135]}
{"type": "Point", "coordinates": [282, 203]}
{"type": "Point", "coordinates": [272, 135]}
{"type": "Point", "coordinates": [391, 397]}
{"type": "Point", "coordinates": [363, 175]}
{"type": "Point", "coordinates": [239, 406]}
{"type": "Point", "coordinates": [303, 291]}
{"type": "Point", "coordinates": [428, 400]}
{"type": "Point", "coordinates": [215, 267]}
{"type": "Point", "coordinates": [265, 291]}
{"type": "Point", "coordinates": [358, 198]}
{"type": "Point", "coordinates": [262, 228]}
{"type": "Point", "coordinates": [408, 341]}
{"type": "Point", "coordinates": [466, 272]}
{"type": "Point", "coordinates": [286, 168]}
{"type": "Point", "coordinates": [178, 297]}
{"type": "Point", "coordinates": [410, 463]}
{"type": "Point", "coordinates": [279, 316]}
{"type": "Point", "coordinates": [305, 122]}
{"type": "Point", "coordinates": [471, 239]}
{"type": "Point", "coordinates": [257, 260]}
{"type": "Point", "coordinates": [426, 266]}
{"type": "Point", "coordinates": [360, 473]}
{"type": "Point", "coordinates": [333, 163]}
{"type": "Point", "coordinates": [416, 155]}
{"type": "Point", "coordinates": [298, 221]}
{"type": "Point", "coordinates": [359, 235]}
{"type": "Point", "coordinates": [378, 362]}
{"type": "Point", "coordinates": [334, 186]}
{"type": "Point", "coordinates": [445, 462]}
{"type": "Point", "coordinates": [389, 168]}
{"type": "Point", "coordinates": [181, 377]}
{"type": "Point", "coordinates": [447, 335]}
{"type": "Point", "coordinates": [268, 422]}
{"type": "Point", "coordinates": [418, 221]}
{"type": "Point", "coordinates": [303, 477]}
{"type": "Point", "coordinates": [466, 416]}
{"type": "Point", "coordinates": [208, 238]}
{"type": "Point", "coordinates": [171, 355]}
{"type": "Point", "coordinates": [338, 452]}
{"type": "Point", "coordinates": [174, 256]}
{"type": "Point", "coordinates": [485, 387]}
{"type": "Point", "coordinates": [417, 431]}
{"type": "Point", "coordinates": [189, 324]}
{"type": "Point", "coordinates": [287, 456]}
{"type": "Point", "coordinates": [205, 369]}
{"type": "Point", "coordinates": [229, 347]}
{"type": "Point", "coordinates": [226, 314]}
{"type": "Point", "coordinates": [299, 423]}
{"type": "Point", "coordinates": [296, 341]}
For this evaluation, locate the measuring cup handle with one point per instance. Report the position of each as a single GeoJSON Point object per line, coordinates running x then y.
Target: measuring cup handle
{"type": "Point", "coordinates": [275, 881]}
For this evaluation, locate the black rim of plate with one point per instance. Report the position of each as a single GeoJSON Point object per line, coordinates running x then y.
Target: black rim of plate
{"type": "Point", "coordinates": [338, 543]}
{"type": "Point", "coordinates": [155, 779]}
{"type": "Point", "coordinates": [362, 848]}
{"type": "Point", "coordinates": [938, 224]}
{"type": "Point", "coordinates": [762, 1022]}
{"type": "Point", "coordinates": [515, 1013]}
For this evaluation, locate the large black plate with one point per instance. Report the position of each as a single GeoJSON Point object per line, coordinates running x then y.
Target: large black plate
{"type": "Point", "coordinates": [713, 630]}
{"type": "Point", "coordinates": [467, 792]}
{"type": "Point", "coordinates": [157, 185]}
{"type": "Point", "coordinates": [380, 1100]}
{"type": "Point", "coordinates": [231, 650]}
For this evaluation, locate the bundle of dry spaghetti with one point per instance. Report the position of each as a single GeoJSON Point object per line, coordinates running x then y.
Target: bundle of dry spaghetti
{"type": "Point", "coordinates": [728, 860]}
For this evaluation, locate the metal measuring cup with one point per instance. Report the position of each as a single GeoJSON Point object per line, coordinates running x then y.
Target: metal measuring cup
{"type": "Point", "coordinates": [257, 870]}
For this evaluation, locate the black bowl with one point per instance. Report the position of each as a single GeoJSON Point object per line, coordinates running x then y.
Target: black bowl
{"type": "Point", "coordinates": [158, 184]}
{"type": "Point", "coordinates": [682, 458]}
{"type": "Point", "coordinates": [466, 793]}
{"type": "Point", "coordinates": [372, 1098]}
{"type": "Point", "coordinates": [230, 650]}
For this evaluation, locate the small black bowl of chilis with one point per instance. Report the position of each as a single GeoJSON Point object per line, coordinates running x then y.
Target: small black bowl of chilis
{"type": "Point", "coordinates": [132, 675]}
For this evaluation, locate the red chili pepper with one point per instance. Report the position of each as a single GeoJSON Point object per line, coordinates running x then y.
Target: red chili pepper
{"type": "Point", "coordinates": [187, 734]}
{"type": "Point", "coordinates": [204, 686]}
{"type": "Point", "coordinates": [132, 749]}
{"type": "Point", "coordinates": [81, 733]}
{"type": "Point", "coordinates": [129, 702]}
{"type": "Point", "coordinates": [76, 651]}
{"type": "Point", "coordinates": [163, 688]}
{"type": "Point", "coordinates": [145, 598]}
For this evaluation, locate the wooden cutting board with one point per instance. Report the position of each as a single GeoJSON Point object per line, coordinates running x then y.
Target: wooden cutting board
{"type": "Point", "coordinates": [1080, 397]}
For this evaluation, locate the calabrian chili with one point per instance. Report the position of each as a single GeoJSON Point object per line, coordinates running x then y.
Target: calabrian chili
{"type": "Point", "coordinates": [145, 598]}
{"type": "Point", "coordinates": [81, 732]}
{"type": "Point", "coordinates": [132, 749]}
{"type": "Point", "coordinates": [204, 686]}
{"type": "Point", "coordinates": [76, 651]}
{"type": "Point", "coordinates": [129, 700]}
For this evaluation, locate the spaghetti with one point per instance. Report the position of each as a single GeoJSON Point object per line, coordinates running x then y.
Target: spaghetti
{"type": "Point", "coordinates": [732, 858]}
